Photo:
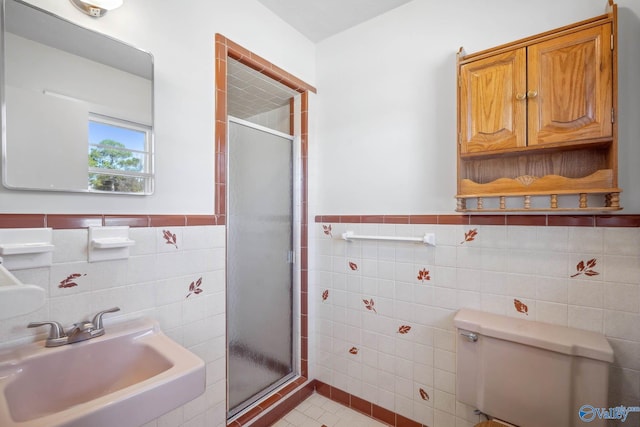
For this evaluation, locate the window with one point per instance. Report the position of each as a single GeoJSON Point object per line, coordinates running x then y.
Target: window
{"type": "Point", "coordinates": [120, 156]}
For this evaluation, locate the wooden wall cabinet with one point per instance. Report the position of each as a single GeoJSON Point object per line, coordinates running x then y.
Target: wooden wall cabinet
{"type": "Point", "coordinates": [536, 122]}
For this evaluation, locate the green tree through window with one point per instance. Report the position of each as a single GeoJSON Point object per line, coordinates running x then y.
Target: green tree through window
{"type": "Point", "coordinates": [114, 155]}
{"type": "Point", "coordinates": [120, 156]}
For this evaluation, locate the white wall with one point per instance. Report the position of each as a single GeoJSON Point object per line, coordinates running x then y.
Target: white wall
{"type": "Point", "coordinates": [386, 105]}
{"type": "Point", "coordinates": [180, 35]}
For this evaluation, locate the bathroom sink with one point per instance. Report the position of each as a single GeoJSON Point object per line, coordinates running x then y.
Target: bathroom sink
{"type": "Point", "coordinates": [127, 377]}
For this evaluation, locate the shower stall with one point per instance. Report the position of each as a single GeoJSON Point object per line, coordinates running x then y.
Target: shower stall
{"type": "Point", "coordinates": [260, 260]}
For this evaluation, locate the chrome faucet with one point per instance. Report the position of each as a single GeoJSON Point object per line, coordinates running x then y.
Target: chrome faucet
{"type": "Point", "coordinates": [80, 331]}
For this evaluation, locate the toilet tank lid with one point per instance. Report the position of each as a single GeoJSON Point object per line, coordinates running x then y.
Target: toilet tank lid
{"type": "Point", "coordinates": [561, 339]}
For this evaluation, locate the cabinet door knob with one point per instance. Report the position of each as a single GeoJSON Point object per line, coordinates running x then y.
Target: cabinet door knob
{"type": "Point", "coordinates": [532, 94]}
{"type": "Point", "coordinates": [520, 96]}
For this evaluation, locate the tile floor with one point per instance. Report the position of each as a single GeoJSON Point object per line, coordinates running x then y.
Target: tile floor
{"type": "Point", "coordinates": [318, 411]}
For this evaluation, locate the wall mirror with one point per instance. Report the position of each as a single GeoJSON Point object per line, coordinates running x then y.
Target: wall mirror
{"type": "Point", "coordinates": [78, 107]}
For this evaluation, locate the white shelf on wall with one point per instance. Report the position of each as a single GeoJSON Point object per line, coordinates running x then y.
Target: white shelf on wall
{"type": "Point", "coordinates": [26, 247]}
{"type": "Point", "coordinates": [112, 243]}
{"type": "Point", "coordinates": [109, 243]}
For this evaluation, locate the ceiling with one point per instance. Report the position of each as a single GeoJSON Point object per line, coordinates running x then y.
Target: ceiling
{"type": "Point", "coordinates": [252, 93]}
{"type": "Point", "coordinates": [319, 19]}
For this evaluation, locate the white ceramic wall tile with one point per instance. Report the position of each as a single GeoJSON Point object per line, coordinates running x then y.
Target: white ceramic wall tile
{"type": "Point", "coordinates": [14, 330]}
{"type": "Point", "coordinates": [204, 237]}
{"type": "Point", "coordinates": [154, 281]}
{"type": "Point", "coordinates": [586, 240]}
{"type": "Point", "coordinates": [445, 255]}
{"type": "Point", "coordinates": [622, 241]}
{"type": "Point", "coordinates": [70, 278]}
{"type": "Point", "coordinates": [146, 239]}
{"type": "Point", "coordinates": [141, 268]}
{"type": "Point", "coordinates": [445, 298]}
{"type": "Point", "coordinates": [444, 381]}
{"type": "Point", "coordinates": [70, 309]}
{"type": "Point", "coordinates": [491, 237]}
{"type": "Point", "coordinates": [551, 289]}
{"type": "Point", "coordinates": [621, 269]}
{"type": "Point", "coordinates": [525, 238]}
{"type": "Point", "coordinates": [107, 274]}
{"type": "Point", "coordinates": [70, 245]}
{"type": "Point", "coordinates": [622, 325]}
{"type": "Point", "coordinates": [172, 264]}
{"type": "Point", "coordinates": [622, 297]}
{"type": "Point", "coordinates": [541, 263]}
{"type": "Point", "coordinates": [169, 239]}
{"type": "Point", "coordinates": [591, 319]}
{"type": "Point", "coordinates": [523, 272]}
{"type": "Point", "coordinates": [423, 414]}
{"type": "Point", "coordinates": [553, 239]}
{"type": "Point", "coordinates": [443, 419]}
{"type": "Point", "coordinates": [586, 293]}
{"type": "Point", "coordinates": [468, 299]}
{"type": "Point", "coordinates": [551, 312]}
{"type": "Point", "coordinates": [522, 285]}
{"type": "Point", "coordinates": [405, 272]}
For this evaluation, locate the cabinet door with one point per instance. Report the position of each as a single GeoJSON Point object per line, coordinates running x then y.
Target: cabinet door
{"type": "Point", "coordinates": [570, 87]}
{"type": "Point", "coordinates": [492, 105]}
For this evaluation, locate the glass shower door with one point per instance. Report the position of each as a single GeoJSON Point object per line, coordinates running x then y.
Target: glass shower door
{"type": "Point", "coordinates": [259, 262]}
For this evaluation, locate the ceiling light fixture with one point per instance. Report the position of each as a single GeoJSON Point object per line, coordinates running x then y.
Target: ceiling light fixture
{"type": "Point", "coordinates": [96, 8]}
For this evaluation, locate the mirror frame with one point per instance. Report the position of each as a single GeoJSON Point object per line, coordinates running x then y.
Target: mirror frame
{"type": "Point", "coordinates": [117, 49]}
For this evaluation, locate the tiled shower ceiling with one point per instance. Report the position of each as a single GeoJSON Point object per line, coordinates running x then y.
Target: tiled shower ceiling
{"type": "Point", "coordinates": [251, 93]}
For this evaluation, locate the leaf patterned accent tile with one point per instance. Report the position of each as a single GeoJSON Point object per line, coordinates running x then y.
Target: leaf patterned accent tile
{"type": "Point", "coordinates": [170, 238]}
{"type": "Point", "coordinates": [194, 287]}
{"type": "Point", "coordinates": [470, 235]}
{"type": "Point", "coordinates": [70, 281]}
{"type": "Point", "coordinates": [520, 306]}
{"type": "Point", "coordinates": [586, 268]}
{"type": "Point", "coordinates": [423, 275]}
{"type": "Point", "coordinates": [327, 230]}
{"type": "Point", "coordinates": [353, 350]}
{"type": "Point", "coordinates": [353, 266]}
{"type": "Point", "coordinates": [404, 329]}
{"type": "Point", "coordinates": [325, 294]}
{"type": "Point", "coordinates": [369, 304]}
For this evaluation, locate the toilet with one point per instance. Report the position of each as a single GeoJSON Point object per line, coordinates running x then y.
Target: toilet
{"type": "Point", "coordinates": [530, 374]}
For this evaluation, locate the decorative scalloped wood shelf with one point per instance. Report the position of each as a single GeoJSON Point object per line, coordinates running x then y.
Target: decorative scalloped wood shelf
{"type": "Point", "coordinates": [551, 186]}
{"type": "Point", "coordinates": [599, 182]}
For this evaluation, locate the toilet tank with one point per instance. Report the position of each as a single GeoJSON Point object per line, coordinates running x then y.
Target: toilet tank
{"type": "Point", "coordinates": [528, 373]}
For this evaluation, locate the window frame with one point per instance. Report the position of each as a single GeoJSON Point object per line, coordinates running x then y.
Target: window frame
{"type": "Point", "coordinates": [147, 174]}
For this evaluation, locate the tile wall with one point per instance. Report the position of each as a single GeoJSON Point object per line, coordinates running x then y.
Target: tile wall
{"type": "Point", "coordinates": [383, 311]}
{"type": "Point", "coordinates": [174, 274]}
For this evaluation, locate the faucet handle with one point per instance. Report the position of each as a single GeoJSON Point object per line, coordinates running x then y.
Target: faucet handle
{"type": "Point", "coordinates": [97, 319]}
{"type": "Point", "coordinates": [57, 336]}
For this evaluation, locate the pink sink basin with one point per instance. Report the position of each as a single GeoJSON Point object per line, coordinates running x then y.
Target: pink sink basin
{"type": "Point", "coordinates": [127, 377]}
